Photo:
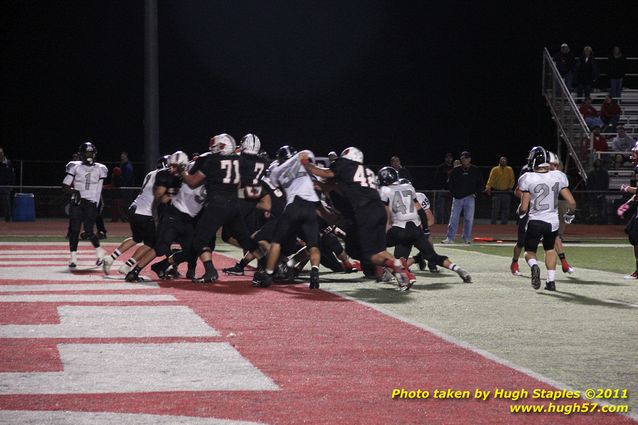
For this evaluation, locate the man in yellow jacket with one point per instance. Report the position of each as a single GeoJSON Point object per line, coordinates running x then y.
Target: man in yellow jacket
{"type": "Point", "coordinates": [499, 186]}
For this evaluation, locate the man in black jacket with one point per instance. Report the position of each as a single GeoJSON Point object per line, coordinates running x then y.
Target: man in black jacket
{"type": "Point", "coordinates": [464, 182]}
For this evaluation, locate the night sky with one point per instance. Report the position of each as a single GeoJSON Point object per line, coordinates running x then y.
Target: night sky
{"type": "Point", "coordinates": [391, 77]}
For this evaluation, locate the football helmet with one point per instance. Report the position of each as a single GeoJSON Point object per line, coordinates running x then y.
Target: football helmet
{"type": "Point", "coordinates": [404, 181]}
{"type": "Point", "coordinates": [88, 152]}
{"type": "Point", "coordinates": [538, 157]}
{"type": "Point", "coordinates": [250, 144]}
{"type": "Point", "coordinates": [179, 159]}
{"type": "Point", "coordinates": [223, 144]}
{"type": "Point", "coordinates": [352, 154]}
{"type": "Point", "coordinates": [162, 162]}
{"type": "Point", "coordinates": [284, 153]}
{"type": "Point", "coordinates": [387, 176]}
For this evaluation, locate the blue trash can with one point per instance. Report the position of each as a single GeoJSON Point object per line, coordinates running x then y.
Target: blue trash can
{"type": "Point", "coordinates": [24, 207]}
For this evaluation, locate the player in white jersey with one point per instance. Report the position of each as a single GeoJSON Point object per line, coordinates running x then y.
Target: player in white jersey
{"type": "Point", "coordinates": [540, 189]}
{"type": "Point", "coordinates": [406, 215]}
{"type": "Point", "coordinates": [299, 215]}
{"type": "Point", "coordinates": [177, 223]}
{"type": "Point", "coordinates": [83, 181]}
{"type": "Point", "coordinates": [141, 220]}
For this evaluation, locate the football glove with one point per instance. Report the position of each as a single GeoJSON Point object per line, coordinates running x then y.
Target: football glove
{"type": "Point", "coordinates": [624, 187]}
{"type": "Point", "coordinates": [569, 216]}
{"type": "Point", "coordinates": [75, 197]}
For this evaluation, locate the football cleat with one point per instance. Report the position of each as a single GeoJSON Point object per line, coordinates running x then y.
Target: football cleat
{"type": "Point", "coordinates": [101, 235]}
{"type": "Point", "coordinates": [133, 276]}
{"type": "Point", "coordinates": [261, 279]}
{"type": "Point", "coordinates": [107, 263]}
{"type": "Point", "coordinates": [550, 286]}
{"type": "Point", "coordinates": [403, 281]}
{"type": "Point", "coordinates": [407, 271]}
{"type": "Point", "coordinates": [384, 275]}
{"type": "Point", "coordinates": [634, 275]}
{"type": "Point", "coordinates": [73, 262]}
{"type": "Point", "coordinates": [514, 268]}
{"type": "Point", "coordinates": [536, 276]}
{"type": "Point", "coordinates": [124, 269]}
{"type": "Point", "coordinates": [465, 276]}
{"type": "Point", "coordinates": [160, 268]}
{"type": "Point", "coordinates": [432, 267]}
{"type": "Point", "coordinates": [566, 267]}
{"type": "Point", "coordinates": [236, 270]}
{"type": "Point", "coordinates": [171, 272]}
{"type": "Point", "coordinates": [314, 278]}
{"type": "Point", "coordinates": [348, 267]}
{"type": "Point", "coordinates": [207, 278]}
{"type": "Point", "coordinates": [447, 241]}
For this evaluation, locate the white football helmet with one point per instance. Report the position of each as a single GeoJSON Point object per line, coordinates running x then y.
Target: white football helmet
{"type": "Point", "coordinates": [223, 144]}
{"type": "Point", "coordinates": [250, 144]}
{"type": "Point", "coordinates": [352, 154]}
{"type": "Point", "coordinates": [179, 159]}
{"type": "Point", "coordinates": [553, 158]}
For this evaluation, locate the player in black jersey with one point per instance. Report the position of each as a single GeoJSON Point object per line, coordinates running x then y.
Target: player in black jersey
{"type": "Point", "coordinates": [521, 226]}
{"type": "Point", "coordinates": [358, 185]}
{"type": "Point", "coordinates": [219, 170]}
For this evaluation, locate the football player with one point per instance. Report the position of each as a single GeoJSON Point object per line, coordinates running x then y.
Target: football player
{"type": "Point", "coordinates": [299, 216]}
{"type": "Point", "coordinates": [219, 171]}
{"type": "Point", "coordinates": [359, 187]}
{"type": "Point", "coordinates": [404, 210]}
{"type": "Point", "coordinates": [140, 219]}
{"type": "Point", "coordinates": [540, 190]}
{"type": "Point", "coordinates": [83, 181]}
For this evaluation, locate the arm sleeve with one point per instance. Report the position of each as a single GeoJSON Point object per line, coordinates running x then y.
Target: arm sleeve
{"type": "Point", "coordinates": [70, 174]}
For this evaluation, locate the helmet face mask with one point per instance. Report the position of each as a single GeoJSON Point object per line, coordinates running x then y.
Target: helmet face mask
{"type": "Point", "coordinates": [163, 162]}
{"type": "Point", "coordinates": [88, 152]}
{"type": "Point", "coordinates": [353, 154]}
{"type": "Point", "coordinates": [387, 176]}
{"type": "Point", "coordinates": [177, 162]}
{"type": "Point", "coordinates": [223, 144]}
{"type": "Point", "coordinates": [250, 144]}
{"type": "Point", "coordinates": [285, 152]}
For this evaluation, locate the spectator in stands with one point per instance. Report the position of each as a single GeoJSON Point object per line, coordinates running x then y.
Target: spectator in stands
{"type": "Point", "coordinates": [590, 113]}
{"type": "Point", "coordinates": [565, 63]}
{"type": "Point", "coordinates": [499, 186]}
{"type": "Point", "coordinates": [586, 72]}
{"type": "Point", "coordinates": [395, 163]}
{"type": "Point", "coordinates": [598, 182]}
{"type": "Point", "coordinates": [618, 163]}
{"type": "Point", "coordinates": [610, 114]}
{"type": "Point", "coordinates": [465, 182]}
{"type": "Point", "coordinates": [443, 198]}
{"type": "Point", "coordinates": [7, 178]}
{"type": "Point", "coordinates": [598, 141]}
{"type": "Point", "coordinates": [617, 68]}
{"type": "Point", "coordinates": [622, 142]}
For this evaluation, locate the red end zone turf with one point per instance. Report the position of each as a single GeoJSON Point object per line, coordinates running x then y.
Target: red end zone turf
{"type": "Point", "coordinates": [334, 361]}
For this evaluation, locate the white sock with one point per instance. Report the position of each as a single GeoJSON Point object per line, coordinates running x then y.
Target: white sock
{"type": "Point", "coordinates": [532, 261]}
{"type": "Point", "coordinates": [116, 254]}
{"type": "Point", "coordinates": [100, 252]}
{"type": "Point", "coordinates": [550, 275]}
{"type": "Point", "coordinates": [74, 256]}
{"type": "Point", "coordinates": [453, 267]}
{"type": "Point", "coordinates": [131, 262]}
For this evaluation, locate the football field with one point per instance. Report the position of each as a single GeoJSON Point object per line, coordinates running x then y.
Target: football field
{"type": "Point", "coordinates": [82, 348]}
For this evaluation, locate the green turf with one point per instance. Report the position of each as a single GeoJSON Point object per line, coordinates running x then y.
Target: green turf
{"type": "Point", "coordinates": [619, 260]}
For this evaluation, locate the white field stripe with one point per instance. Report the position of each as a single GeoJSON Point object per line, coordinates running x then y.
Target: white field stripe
{"type": "Point", "coordinates": [82, 262]}
{"type": "Point", "coordinates": [135, 368]}
{"type": "Point", "coordinates": [77, 287]}
{"type": "Point", "coordinates": [31, 417]}
{"type": "Point", "coordinates": [116, 322]}
{"type": "Point", "coordinates": [106, 298]}
{"type": "Point", "coordinates": [467, 346]}
{"type": "Point", "coordinates": [566, 245]}
{"type": "Point", "coordinates": [52, 273]}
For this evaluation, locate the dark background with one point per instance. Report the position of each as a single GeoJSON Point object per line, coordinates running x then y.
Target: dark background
{"type": "Point", "coordinates": [391, 77]}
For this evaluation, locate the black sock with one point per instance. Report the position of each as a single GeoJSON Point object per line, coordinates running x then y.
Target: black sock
{"type": "Point", "coordinates": [637, 265]}
{"type": "Point", "coordinates": [561, 256]}
{"type": "Point", "coordinates": [514, 260]}
{"type": "Point", "coordinates": [208, 267]}
{"type": "Point", "coordinates": [136, 269]}
{"type": "Point", "coordinates": [242, 263]}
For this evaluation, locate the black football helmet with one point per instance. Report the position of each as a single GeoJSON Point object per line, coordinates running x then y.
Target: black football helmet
{"type": "Point", "coordinates": [387, 176]}
{"type": "Point", "coordinates": [538, 157]}
{"type": "Point", "coordinates": [162, 162]}
{"type": "Point", "coordinates": [88, 152]}
{"type": "Point", "coordinates": [284, 153]}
